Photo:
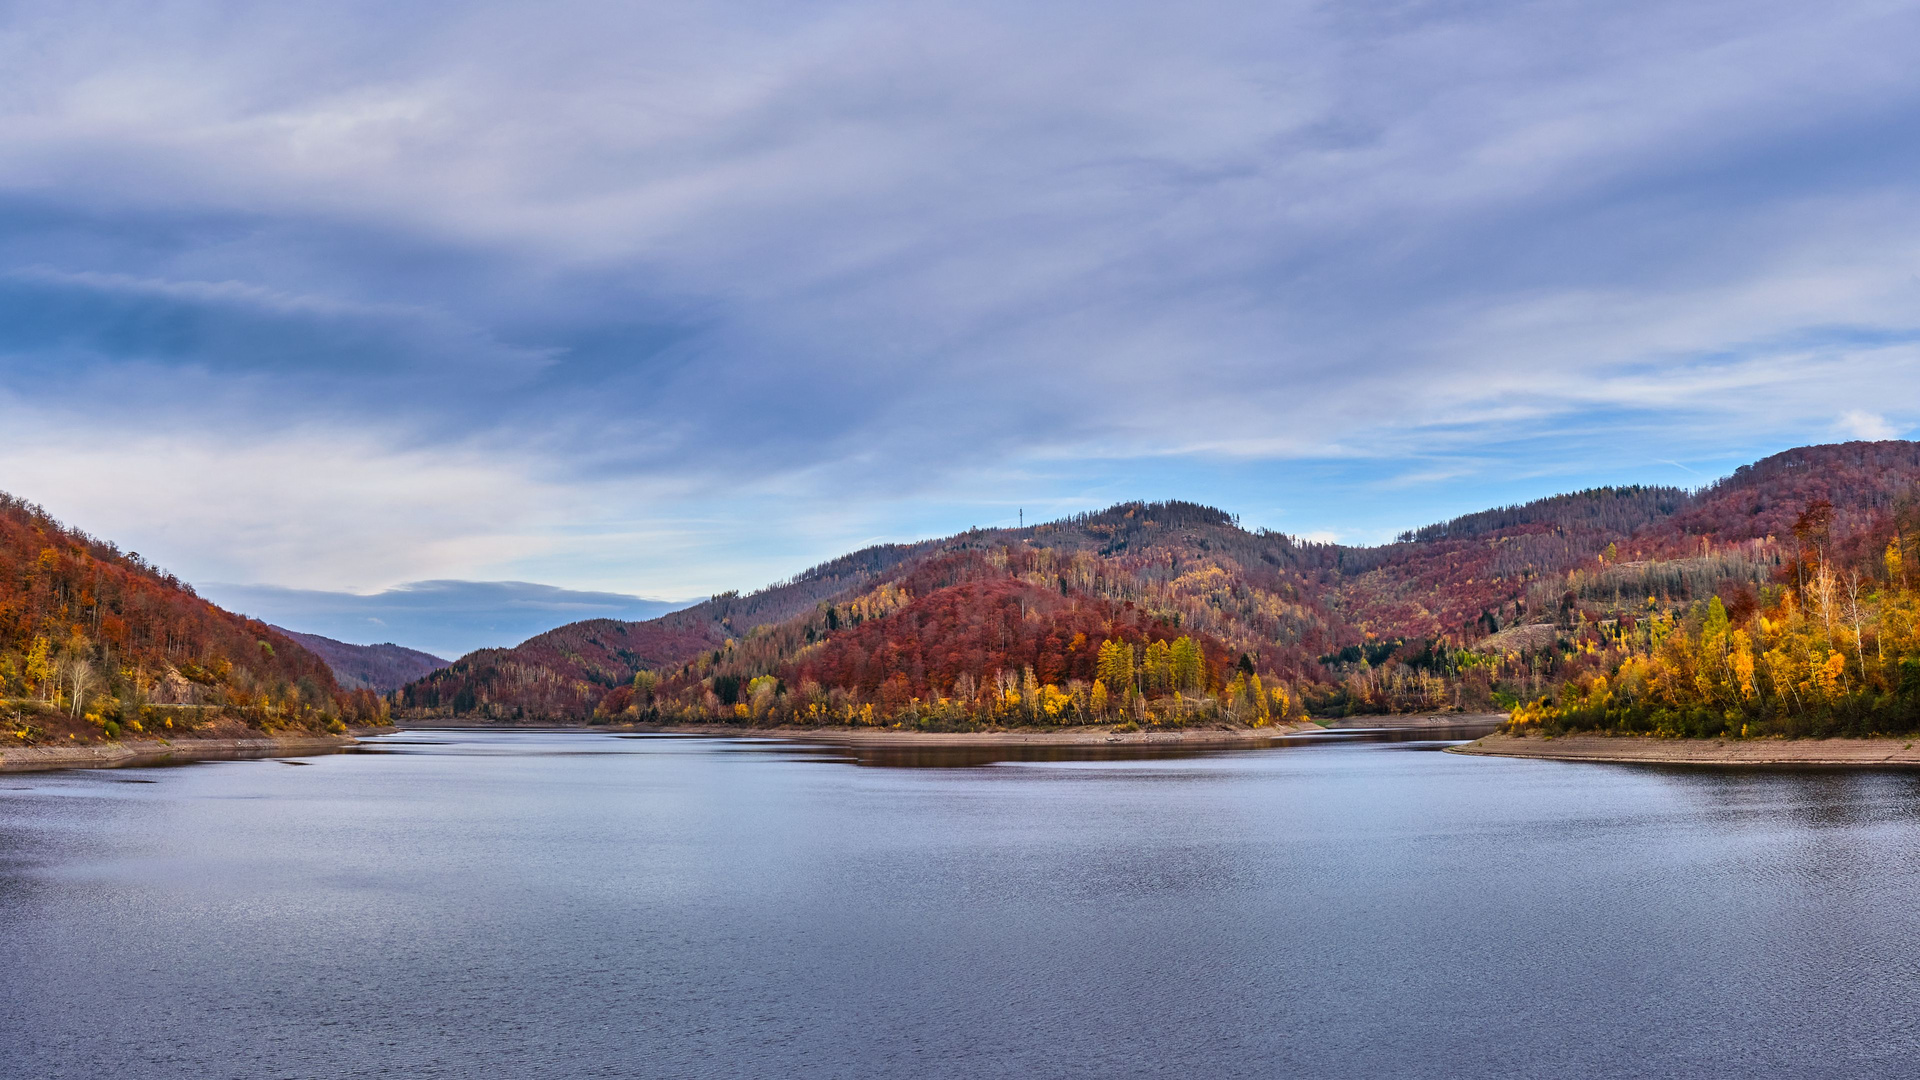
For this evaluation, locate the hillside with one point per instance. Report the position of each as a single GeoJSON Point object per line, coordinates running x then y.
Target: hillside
{"type": "Point", "coordinates": [1077, 619]}
{"type": "Point", "coordinates": [564, 673]}
{"type": "Point", "coordinates": [95, 642]}
{"type": "Point", "coordinates": [380, 668]}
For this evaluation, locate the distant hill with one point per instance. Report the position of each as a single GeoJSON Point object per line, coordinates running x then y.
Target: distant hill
{"type": "Point", "coordinates": [380, 668]}
{"type": "Point", "coordinates": [96, 642]}
{"type": "Point", "coordinates": [447, 618]}
{"type": "Point", "coordinates": [988, 624]}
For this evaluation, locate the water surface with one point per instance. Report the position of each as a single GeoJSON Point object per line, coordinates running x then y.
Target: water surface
{"type": "Point", "coordinates": [469, 904]}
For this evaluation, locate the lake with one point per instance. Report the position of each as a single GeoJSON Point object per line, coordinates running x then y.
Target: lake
{"type": "Point", "coordinates": [570, 904]}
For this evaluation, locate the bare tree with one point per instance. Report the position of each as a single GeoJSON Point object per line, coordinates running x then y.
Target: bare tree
{"type": "Point", "coordinates": [1823, 586]}
{"type": "Point", "coordinates": [80, 677]}
{"type": "Point", "coordinates": [1853, 616]}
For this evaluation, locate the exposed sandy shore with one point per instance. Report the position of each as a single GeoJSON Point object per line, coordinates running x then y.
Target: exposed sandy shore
{"type": "Point", "coordinates": [1642, 749]}
{"type": "Point", "coordinates": [115, 755]}
{"type": "Point", "coordinates": [1074, 736]}
{"type": "Point", "coordinates": [1093, 735]}
{"type": "Point", "coordinates": [1078, 736]}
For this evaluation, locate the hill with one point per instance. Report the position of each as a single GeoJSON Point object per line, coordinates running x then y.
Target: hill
{"type": "Point", "coordinates": [381, 668]}
{"type": "Point", "coordinates": [95, 642]}
{"type": "Point", "coordinates": [564, 673]}
{"type": "Point", "coordinates": [1080, 619]}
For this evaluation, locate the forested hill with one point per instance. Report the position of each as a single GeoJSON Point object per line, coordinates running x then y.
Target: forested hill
{"type": "Point", "coordinates": [1168, 611]}
{"type": "Point", "coordinates": [95, 642]}
{"type": "Point", "coordinates": [382, 667]}
{"type": "Point", "coordinates": [566, 672]}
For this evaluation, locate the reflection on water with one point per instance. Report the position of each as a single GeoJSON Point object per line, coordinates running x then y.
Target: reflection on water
{"type": "Point", "coordinates": [556, 905]}
{"type": "Point", "coordinates": [936, 755]}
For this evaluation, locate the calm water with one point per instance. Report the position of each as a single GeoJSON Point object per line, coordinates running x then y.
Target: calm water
{"type": "Point", "coordinates": [584, 905]}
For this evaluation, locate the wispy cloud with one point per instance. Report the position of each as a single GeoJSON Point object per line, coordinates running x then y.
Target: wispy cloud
{"type": "Point", "coordinates": [336, 295]}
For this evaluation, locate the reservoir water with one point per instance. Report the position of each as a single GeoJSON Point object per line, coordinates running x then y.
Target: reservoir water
{"type": "Point", "coordinates": [463, 904]}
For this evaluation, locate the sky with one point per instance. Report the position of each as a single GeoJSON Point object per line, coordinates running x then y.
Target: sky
{"type": "Point", "coordinates": [314, 303]}
{"type": "Point", "coordinates": [446, 618]}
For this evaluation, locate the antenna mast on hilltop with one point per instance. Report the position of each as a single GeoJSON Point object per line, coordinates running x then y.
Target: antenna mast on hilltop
{"type": "Point", "coordinates": [1023, 517]}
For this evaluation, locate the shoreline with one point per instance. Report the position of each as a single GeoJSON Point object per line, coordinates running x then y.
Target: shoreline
{"type": "Point", "coordinates": [1091, 735]}
{"type": "Point", "coordinates": [137, 753]}
{"type": "Point", "coordinates": [1884, 753]}
{"type": "Point", "coordinates": [1080, 736]}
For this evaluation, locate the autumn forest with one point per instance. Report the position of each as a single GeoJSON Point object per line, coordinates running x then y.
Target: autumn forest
{"type": "Point", "coordinates": [95, 643]}
{"type": "Point", "coordinates": [1778, 600]}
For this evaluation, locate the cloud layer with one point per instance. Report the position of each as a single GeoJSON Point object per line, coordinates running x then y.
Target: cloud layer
{"type": "Point", "coordinates": [674, 298]}
{"type": "Point", "coordinates": [446, 618]}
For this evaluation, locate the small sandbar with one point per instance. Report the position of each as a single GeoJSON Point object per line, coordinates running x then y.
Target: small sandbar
{"type": "Point", "coordinates": [1651, 750]}
{"type": "Point", "coordinates": [1092, 735]}
{"type": "Point", "coordinates": [138, 752]}
{"type": "Point", "coordinates": [1075, 736]}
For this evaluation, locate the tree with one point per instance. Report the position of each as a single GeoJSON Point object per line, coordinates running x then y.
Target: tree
{"type": "Point", "coordinates": [39, 668]}
{"type": "Point", "coordinates": [1189, 665]}
{"type": "Point", "coordinates": [80, 677]}
{"type": "Point", "coordinates": [1853, 612]}
{"type": "Point", "coordinates": [1116, 667]}
{"type": "Point", "coordinates": [1812, 529]}
{"type": "Point", "coordinates": [1157, 671]}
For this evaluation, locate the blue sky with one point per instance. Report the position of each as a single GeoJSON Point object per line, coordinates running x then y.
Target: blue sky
{"type": "Point", "coordinates": [665, 299]}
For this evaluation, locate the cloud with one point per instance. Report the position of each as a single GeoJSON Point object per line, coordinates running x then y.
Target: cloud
{"type": "Point", "coordinates": [256, 497]}
{"type": "Point", "coordinates": [669, 298]}
{"type": "Point", "coordinates": [446, 618]}
{"type": "Point", "coordinates": [1861, 424]}
{"type": "Point", "coordinates": [236, 326]}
